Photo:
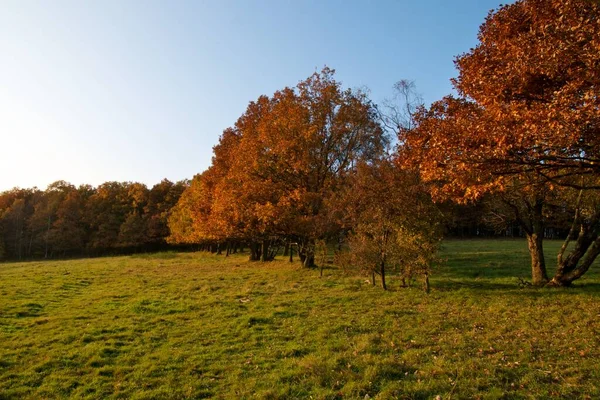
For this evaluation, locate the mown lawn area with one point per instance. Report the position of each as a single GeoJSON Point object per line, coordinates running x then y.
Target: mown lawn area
{"type": "Point", "coordinates": [195, 325]}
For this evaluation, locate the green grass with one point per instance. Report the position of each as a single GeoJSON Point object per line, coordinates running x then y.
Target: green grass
{"type": "Point", "coordinates": [189, 325]}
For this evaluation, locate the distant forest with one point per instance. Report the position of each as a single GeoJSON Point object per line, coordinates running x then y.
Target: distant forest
{"type": "Point", "coordinates": [69, 221]}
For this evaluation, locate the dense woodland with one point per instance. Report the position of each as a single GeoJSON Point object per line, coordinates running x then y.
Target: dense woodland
{"type": "Point", "coordinates": [69, 221]}
{"type": "Point", "coordinates": [514, 152]}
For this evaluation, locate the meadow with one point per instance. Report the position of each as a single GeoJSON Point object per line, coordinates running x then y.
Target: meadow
{"type": "Point", "coordinates": [197, 325]}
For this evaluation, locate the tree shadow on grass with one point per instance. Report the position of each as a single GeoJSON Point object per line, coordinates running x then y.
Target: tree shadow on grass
{"type": "Point", "coordinates": [499, 265]}
{"type": "Point", "coordinates": [480, 269]}
{"type": "Point", "coordinates": [512, 285]}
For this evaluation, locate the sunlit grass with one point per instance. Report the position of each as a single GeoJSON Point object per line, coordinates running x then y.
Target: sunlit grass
{"type": "Point", "coordinates": [194, 325]}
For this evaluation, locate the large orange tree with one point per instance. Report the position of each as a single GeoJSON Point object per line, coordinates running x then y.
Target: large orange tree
{"type": "Point", "coordinates": [276, 168]}
{"type": "Point", "coordinates": [525, 122]}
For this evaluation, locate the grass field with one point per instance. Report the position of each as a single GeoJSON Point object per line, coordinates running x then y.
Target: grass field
{"type": "Point", "coordinates": [194, 325]}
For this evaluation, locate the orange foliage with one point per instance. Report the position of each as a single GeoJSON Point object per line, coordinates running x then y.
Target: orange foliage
{"type": "Point", "coordinates": [274, 169]}
{"type": "Point", "coordinates": [529, 102]}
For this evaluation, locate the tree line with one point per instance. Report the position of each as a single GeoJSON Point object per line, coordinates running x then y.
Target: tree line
{"type": "Point", "coordinates": [69, 221]}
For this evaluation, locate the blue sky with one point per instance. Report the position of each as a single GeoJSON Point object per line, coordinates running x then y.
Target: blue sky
{"type": "Point", "coordinates": [93, 91]}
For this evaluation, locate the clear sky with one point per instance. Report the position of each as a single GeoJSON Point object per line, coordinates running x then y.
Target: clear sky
{"type": "Point", "coordinates": [94, 91]}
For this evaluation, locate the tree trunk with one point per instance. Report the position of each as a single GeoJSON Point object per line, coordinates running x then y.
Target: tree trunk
{"type": "Point", "coordinates": [579, 259]}
{"type": "Point", "coordinates": [531, 222]}
{"type": "Point", "coordinates": [426, 286]}
{"type": "Point", "coordinates": [265, 251]}
{"type": "Point", "coordinates": [286, 249]}
{"type": "Point", "coordinates": [301, 246]}
{"type": "Point", "coordinates": [309, 260]}
{"type": "Point", "coordinates": [584, 265]}
{"type": "Point", "coordinates": [539, 276]}
{"type": "Point", "coordinates": [291, 254]}
{"type": "Point", "coordinates": [382, 273]}
{"type": "Point", "coordinates": [302, 256]}
{"type": "Point", "coordinates": [373, 278]}
{"type": "Point", "coordinates": [254, 252]}
{"type": "Point", "coordinates": [307, 253]}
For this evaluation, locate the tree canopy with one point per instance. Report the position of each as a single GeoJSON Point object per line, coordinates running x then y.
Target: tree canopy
{"type": "Point", "coordinates": [66, 221]}
{"type": "Point", "coordinates": [274, 171]}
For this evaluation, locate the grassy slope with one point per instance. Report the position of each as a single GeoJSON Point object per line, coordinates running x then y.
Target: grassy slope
{"type": "Point", "coordinates": [196, 325]}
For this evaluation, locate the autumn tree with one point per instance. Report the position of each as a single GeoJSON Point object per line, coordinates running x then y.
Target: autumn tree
{"type": "Point", "coordinates": [320, 133]}
{"type": "Point", "coordinates": [16, 208]}
{"type": "Point", "coordinates": [69, 233]}
{"type": "Point", "coordinates": [28, 217]}
{"type": "Point", "coordinates": [526, 115]}
{"type": "Point", "coordinates": [64, 220]}
{"type": "Point", "coordinates": [194, 219]}
{"type": "Point", "coordinates": [246, 198]}
{"type": "Point", "coordinates": [275, 168]}
{"type": "Point", "coordinates": [162, 197]}
{"type": "Point", "coordinates": [45, 214]}
{"type": "Point", "coordinates": [133, 231]}
{"type": "Point", "coordinates": [105, 212]}
{"type": "Point", "coordinates": [393, 223]}
{"type": "Point", "coordinates": [189, 218]}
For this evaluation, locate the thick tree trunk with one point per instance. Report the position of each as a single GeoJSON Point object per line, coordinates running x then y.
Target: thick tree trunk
{"type": "Point", "coordinates": [579, 260]}
{"type": "Point", "coordinates": [531, 221]}
{"type": "Point", "coordinates": [539, 276]}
